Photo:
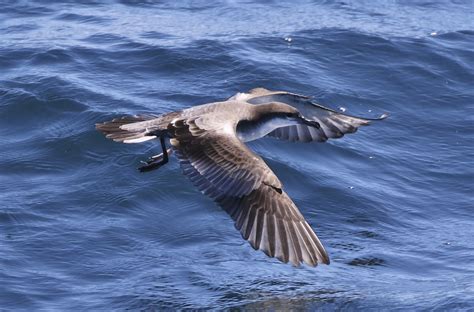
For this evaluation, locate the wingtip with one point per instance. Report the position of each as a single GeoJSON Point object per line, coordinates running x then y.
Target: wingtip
{"type": "Point", "coordinates": [326, 261]}
{"type": "Point", "coordinates": [383, 116]}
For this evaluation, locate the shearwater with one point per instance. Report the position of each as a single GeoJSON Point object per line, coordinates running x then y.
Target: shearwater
{"type": "Point", "coordinates": [208, 141]}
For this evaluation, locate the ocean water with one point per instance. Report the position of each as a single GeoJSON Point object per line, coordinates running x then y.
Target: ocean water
{"type": "Point", "coordinates": [82, 230]}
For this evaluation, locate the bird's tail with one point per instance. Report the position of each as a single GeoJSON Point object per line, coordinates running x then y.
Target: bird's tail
{"type": "Point", "coordinates": [116, 130]}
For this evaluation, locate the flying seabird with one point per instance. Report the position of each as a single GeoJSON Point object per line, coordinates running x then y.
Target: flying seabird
{"type": "Point", "coordinates": [209, 142]}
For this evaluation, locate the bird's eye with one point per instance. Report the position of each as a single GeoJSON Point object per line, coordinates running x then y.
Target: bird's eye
{"type": "Point", "coordinates": [290, 115]}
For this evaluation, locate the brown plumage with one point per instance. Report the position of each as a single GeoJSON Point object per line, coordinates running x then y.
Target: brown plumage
{"type": "Point", "coordinates": [208, 141]}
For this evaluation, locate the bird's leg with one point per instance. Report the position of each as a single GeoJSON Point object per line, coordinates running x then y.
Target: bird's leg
{"type": "Point", "coordinates": [157, 158]}
{"type": "Point", "coordinates": [156, 161]}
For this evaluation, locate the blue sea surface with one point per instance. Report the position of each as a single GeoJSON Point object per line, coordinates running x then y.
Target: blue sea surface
{"type": "Point", "coordinates": [82, 230]}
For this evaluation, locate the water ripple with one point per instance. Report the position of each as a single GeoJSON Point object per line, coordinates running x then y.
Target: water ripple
{"type": "Point", "coordinates": [392, 203]}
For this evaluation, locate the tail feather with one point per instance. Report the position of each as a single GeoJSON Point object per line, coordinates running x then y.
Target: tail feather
{"type": "Point", "coordinates": [113, 129]}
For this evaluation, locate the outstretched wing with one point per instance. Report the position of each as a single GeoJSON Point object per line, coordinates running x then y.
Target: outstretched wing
{"type": "Point", "coordinates": [333, 124]}
{"type": "Point", "coordinates": [223, 168]}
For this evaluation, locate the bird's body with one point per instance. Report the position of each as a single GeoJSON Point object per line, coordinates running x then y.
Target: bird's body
{"type": "Point", "coordinates": [221, 116]}
{"type": "Point", "coordinates": [208, 141]}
